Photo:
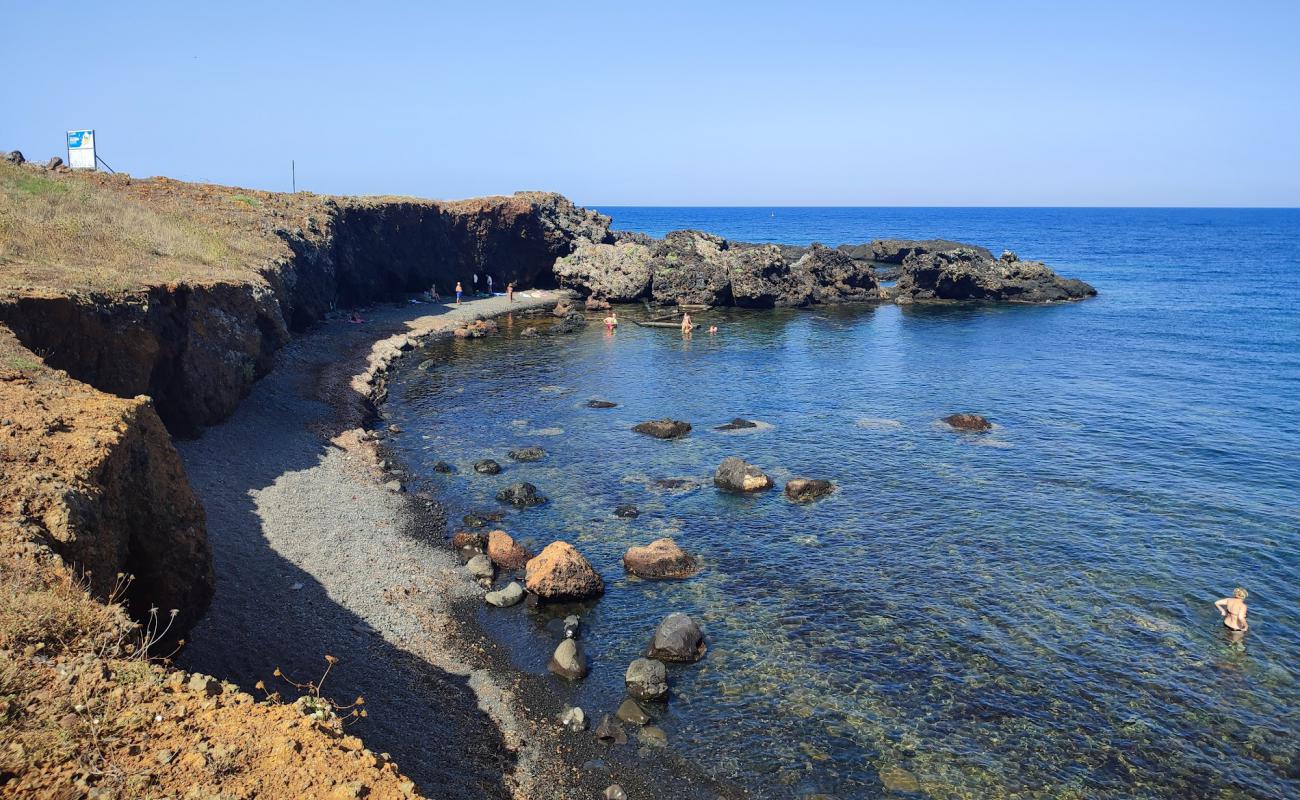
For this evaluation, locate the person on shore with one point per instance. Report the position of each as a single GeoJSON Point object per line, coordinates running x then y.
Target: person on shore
{"type": "Point", "coordinates": [611, 322]}
{"type": "Point", "coordinates": [489, 285]}
{"type": "Point", "coordinates": [433, 294]}
{"type": "Point", "coordinates": [687, 325]}
{"type": "Point", "coordinates": [458, 290]}
{"type": "Point", "coordinates": [1233, 610]}
{"type": "Point", "coordinates": [510, 292]}
{"type": "Point", "coordinates": [475, 284]}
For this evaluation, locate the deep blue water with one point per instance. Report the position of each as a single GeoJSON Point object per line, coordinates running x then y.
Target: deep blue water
{"type": "Point", "coordinates": [1023, 613]}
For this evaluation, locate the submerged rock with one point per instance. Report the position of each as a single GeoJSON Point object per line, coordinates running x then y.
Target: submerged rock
{"type": "Point", "coordinates": [505, 552]}
{"type": "Point", "coordinates": [521, 495]}
{"type": "Point", "coordinates": [443, 467]}
{"type": "Point", "coordinates": [509, 595]}
{"type": "Point", "coordinates": [601, 404]}
{"type": "Point", "coordinates": [968, 422]}
{"type": "Point", "coordinates": [972, 274]}
{"type": "Point", "coordinates": [532, 453]}
{"type": "Point", "coordinates": [735, 475]}
{"type": "Point", "coordinates": [627, 511]}
{"type": "Point", "coordinates": [646, 679]}
{"type": "Point", "coordinates": [632, 712]}
{"type": "Point", "coordinates": [677, 638]}
{"type": "Point", "coordinates": [660, 559]}
{"type": "Point", "coordinates": [663, 428]}
{"type": "Point", "coordinates": [487, 467]}
{"type": "Point", "coordinates": [480, 567]}
{"type": "Point", "coordinates": [737, 424]}
{"type": "Point", "coordinates": [560, 572]}
{"type": "Point", "coordinates": [568, 661]}
{"type": "Point", "coordinates": [806, 490]}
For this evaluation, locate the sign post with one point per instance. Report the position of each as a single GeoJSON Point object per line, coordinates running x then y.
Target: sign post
{"type": "Point", "coordinates": [81, 149]}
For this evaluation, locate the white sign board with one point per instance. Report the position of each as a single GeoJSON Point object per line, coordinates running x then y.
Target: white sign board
{"type": "Point", "coordinates": [81, 149]}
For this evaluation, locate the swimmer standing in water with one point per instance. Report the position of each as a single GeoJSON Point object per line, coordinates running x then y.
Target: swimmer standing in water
{"type": "Point", "coordinates": [1233, 610]}
{"type": "Point", "coordinates": [687, 325]}
{"type": "Point", "coordinates": [611, 322]}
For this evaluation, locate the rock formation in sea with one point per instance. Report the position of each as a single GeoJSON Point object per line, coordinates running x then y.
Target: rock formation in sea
{"type": "Point", "coordinates": [968, 273]}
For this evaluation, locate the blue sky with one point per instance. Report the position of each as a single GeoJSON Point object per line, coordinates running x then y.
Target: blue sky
{"type": "Point", "coordinates": [665, 103]}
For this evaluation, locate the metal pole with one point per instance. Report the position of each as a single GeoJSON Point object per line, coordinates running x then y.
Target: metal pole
{"type": "Point", "coordinates": [293, 170]}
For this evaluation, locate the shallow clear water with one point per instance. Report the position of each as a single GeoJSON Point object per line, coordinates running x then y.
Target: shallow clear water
{"type": "Point", "coordinates": [1023, 613]}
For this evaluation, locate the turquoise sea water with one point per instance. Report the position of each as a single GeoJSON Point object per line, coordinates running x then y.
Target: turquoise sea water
{"type": "Point", "coordinates": [1022, 613]}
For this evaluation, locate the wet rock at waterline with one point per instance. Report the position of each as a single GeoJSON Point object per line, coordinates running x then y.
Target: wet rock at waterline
{"type": "Point", "coordinates": [735, 475]}
{"type": "Point", "coordinates": [476, 329]}
{"type": "Point", "coordinates": [737, 424]}
{"type": "Point", "coordinates": [663, 428]}
{"type": "Point", "coordinates": [573, 718]}
{"type": "Point", "coordinates": [677, 639]}
{"type": "Point", "coordinates": [568, 661]}
{"type": "Point", "coordinates": [646, 679]}
{"type": "Point", "coordinates": [509, 595]}
{"type": "Point", "coordinates": [968, 422]}
{"type": "Point", "coordinates": [659, 560]}
{"type": "Point", "coordinates": [570, 324]}
{"type": "Point", "coordinates": [462, 540]}
{"type": "Point", "coordinates": [601, 404]}
{"type": "Point", "coordinates": [444, 468]}
{"type": "Point", "coordinates": [521, 495]}
{"type": "Point", "coordinates": [806, 490]}
{"type": "Point", "coordinates": [610, 732]}
{"type": "Point", "coordinates": [560, 572]}
{"type": "Point", "coordinates": [487, 467]}
{"type": "Point", "coordinates": [653, 735]}
{"type": "Point", "coordinates": [532, 453]}
{"type": "Point", "coordinates": [564, 308]}
{"type": "Point", "coordinates": [480, 567]}
{"type": "Point", "coordinates": [572, 626]}
{"type": "Point", "coordinates": [627, 511]}
{"type": "Point", "coordinates": [505, 552]}
{"type": "Point", "coordinates": [967, 273]}
{"type": "Point", "coordinates": [630, 711]}
{"type": "Point", "coordinates": [595, 303]}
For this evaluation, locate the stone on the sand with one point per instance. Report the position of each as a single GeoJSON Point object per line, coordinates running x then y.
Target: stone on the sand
{"type": "Point", "coordinates": [610, 732]}
{"type": "Point", "coordinates": [627, 511]}
{"type": "Point", "coordinates": [573, 718]}
{"type": "Point", "coordinates": [806, 490]}
{"type": "Point", "coordinates": [663, 428]}
{"type": "Point", "coordinates": [631, 712]}
{"type": "Point", "coordinates": [736, 475]}
{"type": "Point", "coordinates": [646, 679]}
{"type": "Point", "coordinates": [560, 572]}
{"type": "Point", "coordinates": [487, 467]}
{"type": "Point", "coordinates": [968, 422]}
{"type": "Point", "coordinates": [678, 639]}
{"type": "Point", "coordinates": [660, 559]}
{"type": "Point", "coordinates": [615, 792]}
{"type": "Point", "coordinates": [504, 551]}
{"type": "Point", "coordinates": [532, 453]}
{"type": "Point", "coordinates": [736, 424]}
{"type": "Point", "coordinates": [568, 660]}
{"type": "Point", "coordinates": [521, 495]}
{"type": "Point", "coordinates": [463, 539]}
{"type": "Point", "coordinates": [506, 596]}
{"type": "Point", "coordinates": [601, 404]}
{"type": "Point", "coordinates": [480, 566]}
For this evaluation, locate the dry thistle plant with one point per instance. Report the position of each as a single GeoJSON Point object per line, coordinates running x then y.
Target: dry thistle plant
{"type": "Point", "coordinates": [314, 704]}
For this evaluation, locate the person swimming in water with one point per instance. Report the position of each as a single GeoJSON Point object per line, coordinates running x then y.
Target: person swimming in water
{"type": "Point", "coordinates": [713, 329]}
{"type": "Point", "coordinates": [1233, 610]}
{"type": "Point", "coordinates": [611, 322]}
{"type": "Point", "coordinates": [687, 325]}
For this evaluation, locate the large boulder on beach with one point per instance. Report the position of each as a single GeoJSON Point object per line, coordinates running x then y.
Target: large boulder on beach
{"type": "Point", "coordinates": [521, 495]}
{"type": "Point", "coordinates": [663, 428]}
{"type": "Point", "coordinates": [968, 422]}
{"type": "Point", "coordinates": [618, 272]}
{"type": "Point", "coordinates": [806, 490]}
{"type": "Point", "coordinates": [691, 267]}
{"type": "Point", "coordinates": [658, 560]}
{"type": "Point", "coordinates": [568, 661]}
{"type": "Point", "coordinates": [973, 274]}
{"type": "Point", "coordinates": [736, 475]}
{"type": "Point", "coordinates": [646, 679]}
{"type": "Point", "coordinates": [505, 552]}
{"type": "Point", "coordinates": [677, 638]}
{"type": "Point", "coordinates": [560, 572]}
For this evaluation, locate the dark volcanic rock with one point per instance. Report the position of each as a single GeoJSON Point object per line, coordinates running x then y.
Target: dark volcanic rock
{"type": "Point", "coordinates": [973, 274]}
{"type": "Point", "coordinates": [737, 424]}
{"type": "Point", "coordinates": [487, 467]}
{"type": "Point", "coordinates": [627, 511]}
{"type": "Point", "coordinates": [677, 638]}
{"type": "Point", "coordinates": [54, 163]}
{"type": "Point", "coordinates": [664, 428]}
{"type": "Point", "coordinates": [834, 277]}
{"type": "Point", "coordinates": [15, 157]}
{"type": "Point", "coordinates": [658, 560]}
{"type": "Point", "coordinates": [619, 273]}
{"type": "Point", "coordinates": [467, 539]}
{"type": "Point", "coordinates": [601, 404]}
{"type": "Point", "coordinates": [968, 422]}
{"type": "Point", "coordinates": [521, 495]}
{"type": "Point", "coordinates": [532, 453]}
{"type": "Point", "coordinates": [805, 490]}
{"type": "Point", "coordinates": [573, 323]}
{"type": "Point", "coordinates": [691, 267]}
{"type": "Point", "coordinates": [735, 475]}
{"type": "Point", "coordinates": [646, 679]}
{"type": "Point", "coordinates": [635, 237]}
{"type": "Point", "coordinates": [896, 251]}
{"type": "Point", "coordinates": [761, 277]}
{"type": "Point", "coordinates": [443, 467]}
{"type": "Point", "coordinates": [610, 732]}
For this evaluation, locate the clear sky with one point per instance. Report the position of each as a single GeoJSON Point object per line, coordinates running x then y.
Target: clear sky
{"type": "Point", "coordinates": [667, 103]}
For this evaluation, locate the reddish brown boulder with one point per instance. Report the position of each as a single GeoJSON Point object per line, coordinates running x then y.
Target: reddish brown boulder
{"type": "Point", "coordinates": [462, 539]}
{"type": "Point", "coordinates": [968, 422]}
{"type": "Point", "coordinates": [660, 559]}
{"type": "Point", "coordinates": [504, 551]}
{"type": "Point", "coordinates": [560, 572]}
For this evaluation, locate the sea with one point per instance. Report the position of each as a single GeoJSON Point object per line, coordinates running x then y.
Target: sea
{"type": "Point", "coordinates": [1022, 613]}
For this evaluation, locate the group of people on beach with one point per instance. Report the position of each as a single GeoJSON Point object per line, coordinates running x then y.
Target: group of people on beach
{"type": "Point", "coordinates": [460, 290]}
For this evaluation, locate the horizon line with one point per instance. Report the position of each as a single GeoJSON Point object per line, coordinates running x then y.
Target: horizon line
{"type": "Point", "coordinates": [1027, 207]}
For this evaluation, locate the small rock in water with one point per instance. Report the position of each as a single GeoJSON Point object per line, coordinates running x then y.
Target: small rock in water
{"type": "Point", "coordinates": [615, 792]}
{"type": "Point", "coordinates": [660, 559]}
{"type": "Point", "coordinates": [473, 521]}
{"type": "Point", "coordinates": [737, 424]}
{"type": "Point", "coordinates": [573, 719]}
{"type": "Point", "coordinates": [480, 566]}
{"type": "Point", "coordinates": [646, 679]}
{"type": "Point", "coordinates": [631, 712]}
{"type": "Point", "coordinates": [968, 422]}
{"type": "Point", "coordinates": [654, 735]}
{"type": "Point", "coordinates": [394, 429]}
{"type": "Point", "coordinates": [664, 428]}
{"type": "Point", "coordinates": [568, 661]}
{"type": "Point", "coordinates": [443, 467]}
{"type": "Point", "coordinates": [521, 495]}
{"type": "Point", "coordinates": [610, 731]}
{"type": "Point", "coordinates": [527, 454]}
{"type": "Point", "coordinates": [572, 626]}
{"type": "Point", "coordinates": [736, 475]}
{"type": "Point", "coordinates": [806, 490]}
{"type": "Point", "coordinates": [677, 638]}
{"type": "Point", "coordinates": [627, 511]}
{"type": "Point", "coordinates": [508, 596]}
{"type": "Point", "coordinates": [487, 467]}
{"type": "Point", "coordinates": [601, 404]}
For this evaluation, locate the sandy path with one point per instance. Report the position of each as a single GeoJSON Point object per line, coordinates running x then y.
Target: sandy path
{"type": "Point", "coordinates": [312, 557]}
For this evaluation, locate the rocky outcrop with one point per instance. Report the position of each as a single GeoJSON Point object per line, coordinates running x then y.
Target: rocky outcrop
{"type": "Point", "coordinates": [896, 251]}
{"type": "Point", "coordinates": [658, 560]}
{"type": "Point", "coordinates": [617, 272]}
{"type": "Point", "coordinates": [735, 475]}
{"type": "Point", "coordinates": [691, 267]}
{"type": "Point", "coordinates": [833, 277]}
{"type": "Point", "coordinates": [967, 273]}
{"type": "Point", "coordinates": [560, 572]}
